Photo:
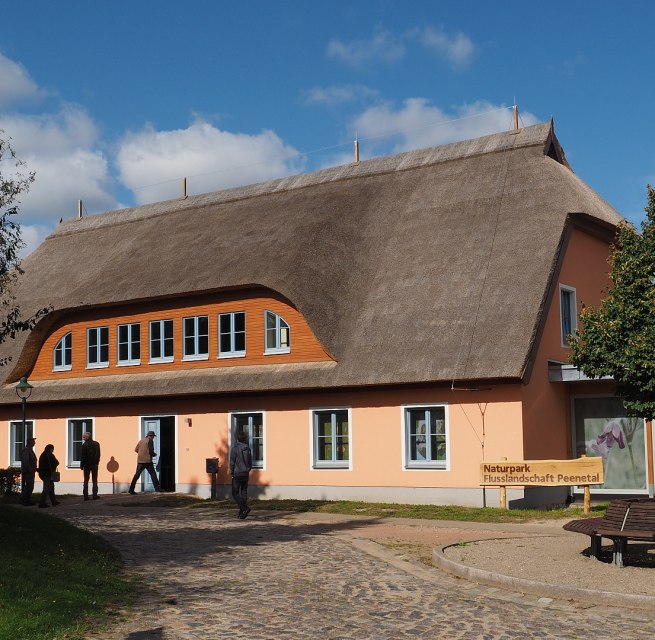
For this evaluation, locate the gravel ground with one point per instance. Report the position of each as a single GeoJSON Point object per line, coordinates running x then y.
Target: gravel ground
{"type": "Point", "coordinates": [561, 560]}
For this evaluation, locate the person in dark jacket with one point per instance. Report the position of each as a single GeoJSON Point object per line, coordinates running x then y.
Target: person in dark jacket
{"type": "Point", "coordinates": [27, 472]}
{"type": "Point", "coordinates": [89, 461]}
{"type": "Point", "coordinates": [145, 452]}
{"type": "Point", "coordinates": [47, 466]}
{"type": "Point", "coordinates": [240, 466]}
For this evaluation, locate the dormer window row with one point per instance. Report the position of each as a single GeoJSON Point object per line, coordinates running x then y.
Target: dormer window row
{"type": "Point", "coordinates": [196, 339]}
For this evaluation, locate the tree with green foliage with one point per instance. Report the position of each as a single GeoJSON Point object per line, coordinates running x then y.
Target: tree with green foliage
{"type": "Point", "coordinates": [13, 182]}
{"type": "Point", "coordinates": [618, 338]}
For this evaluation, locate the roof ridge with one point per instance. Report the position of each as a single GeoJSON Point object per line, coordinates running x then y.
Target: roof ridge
{"type": "Point", "coordinates": [534, 135]}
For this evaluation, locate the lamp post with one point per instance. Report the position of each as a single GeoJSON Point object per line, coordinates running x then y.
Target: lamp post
{"type": "Point", "coordinates": [24, 391]}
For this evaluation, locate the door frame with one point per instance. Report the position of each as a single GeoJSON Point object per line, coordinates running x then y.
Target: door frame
{"type": "Point", "coordinates": [142, 432]}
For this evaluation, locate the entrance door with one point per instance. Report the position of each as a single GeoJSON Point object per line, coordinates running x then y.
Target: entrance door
{"type": "Point", "coordinates": [164, 461]}
{"type": "Point", "coordinates": [151, 424]}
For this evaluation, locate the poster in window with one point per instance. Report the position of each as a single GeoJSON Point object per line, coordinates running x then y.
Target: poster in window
{"type": "Point", "coordinates": [603, 429]}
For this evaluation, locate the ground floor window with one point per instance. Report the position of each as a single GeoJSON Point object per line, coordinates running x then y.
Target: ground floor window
{"type": "Point", "coordinates": [603, 429]}
{"type": "Point", "coordinates": [76, 427]}
{"type": "Point", "coordinates": [331, 438]}
{"type": "Point", "coordinates": [252, 424]}
{"type": "Point", "coordinates": [19, 436]}
{"type": "Point", "coordinates": [426, 437]}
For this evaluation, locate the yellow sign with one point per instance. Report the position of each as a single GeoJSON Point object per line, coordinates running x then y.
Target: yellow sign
{"type": "Point", "coordinates": [549, 473]}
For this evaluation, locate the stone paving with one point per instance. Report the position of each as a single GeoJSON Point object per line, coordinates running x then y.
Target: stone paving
{"type": "Point", "coordinates": [270, 577]}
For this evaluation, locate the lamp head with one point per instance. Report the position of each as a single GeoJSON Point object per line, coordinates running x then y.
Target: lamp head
{"type": "Point", "coordinates": [24, 388]}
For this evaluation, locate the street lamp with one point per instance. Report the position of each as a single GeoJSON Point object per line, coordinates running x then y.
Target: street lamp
{"type": "Point", "coordinates": [24, 391]}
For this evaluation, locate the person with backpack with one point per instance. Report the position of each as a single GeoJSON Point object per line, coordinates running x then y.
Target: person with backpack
{"type": "Point", "coordinates": [240, 466]}
{"type": "Point", "coordinates": [47, 470]}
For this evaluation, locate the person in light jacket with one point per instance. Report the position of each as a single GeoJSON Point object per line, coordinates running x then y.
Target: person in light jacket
{"type": "Point", "coordinates": [145, 452]}
{"type": "Point", "coordinates": [240, 466]}
{"type": "Point", "coordinates": [47, 467]}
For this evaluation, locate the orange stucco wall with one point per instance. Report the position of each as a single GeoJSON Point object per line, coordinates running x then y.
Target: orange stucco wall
{"type": "Point", "coordinates": [304, 345]}
{"type": "Point", "coordinates": [546, 405]}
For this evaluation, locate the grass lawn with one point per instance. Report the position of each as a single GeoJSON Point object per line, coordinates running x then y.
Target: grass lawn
{"type": "Point", "coordinates": [386, 510]}
{"type": "Point", "coordinates": [55, 580]}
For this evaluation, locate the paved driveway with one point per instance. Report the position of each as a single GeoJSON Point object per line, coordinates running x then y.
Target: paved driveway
{"type": "Point", "coordinates": [214, 576]}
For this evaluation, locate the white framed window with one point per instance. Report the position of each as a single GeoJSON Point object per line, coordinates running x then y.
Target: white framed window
{"type": "Point", "coordinates": [426, 436]}
{"type": "Point", "coordinates": [97, 347]}
{"type": "Point", "coordinates": [252, 424]}
{"type": "Point", "coordinates": [76, 427]}
{"type": "Point", "coordinates": [196, 338]}
{"type": "Point", "coordinates": [331, 438]}
{"type": "Point", "coordinates": [129, 344]}
{"type": "Point", "coordinates": [62, 356]}
{"type": "Point", "coordinates": [18, 437]}
{"type": "Point", "coordinates": [161, 341]}
{"type": "Point", "coordinates": [568, 312]}
{"type": "Point", "coordinates": [232, 334]}
{"type": "Point", "coordinates": [278, 334]}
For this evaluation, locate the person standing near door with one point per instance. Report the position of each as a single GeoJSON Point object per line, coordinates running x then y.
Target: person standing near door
{"type": "Point", "coordinates": [240, 466]}
{"type": "Point", "coordinates": [89, 461]}
{"type": "Point", "coordinates": [145, 452]}
{"type": "Point", "coordinates": [27, 471]}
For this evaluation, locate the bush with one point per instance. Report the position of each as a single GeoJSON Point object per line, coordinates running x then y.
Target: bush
{"type": "Point", "coordinates": [9, 481]}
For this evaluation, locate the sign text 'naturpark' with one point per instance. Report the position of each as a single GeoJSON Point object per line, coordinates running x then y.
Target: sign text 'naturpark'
{"type": "Point", "coordinates": [580, 471]}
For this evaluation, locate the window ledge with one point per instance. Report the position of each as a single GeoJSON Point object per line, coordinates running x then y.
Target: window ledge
{"type": "Point", "coordinates": [161, 360]}
{"type": "Point", "coordinates": [231, 354]}
{"type": "Point", "coordinates": [202, 356]}
{"type": "Point", "coordinates": [430, 466]}
{"type": "Point", "coordinates": [99, 365]}
{"type": "Point", "coordinates": [272, 352]}
{"type": "Point", "coordinates": [69, 368]}
{"type": "Point", "coordinates": [327, 465]}
{"type": "Point", "coordinates": [129, 363]}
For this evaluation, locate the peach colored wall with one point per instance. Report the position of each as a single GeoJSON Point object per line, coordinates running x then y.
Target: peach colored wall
{"type": "Point", "coordinates": [377, 437]}
{"type": "Point", "coordinates": [546, 405]}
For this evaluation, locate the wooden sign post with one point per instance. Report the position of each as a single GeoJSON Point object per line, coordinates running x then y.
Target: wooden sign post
{"type": "Point", "coordinates": [582, 471]}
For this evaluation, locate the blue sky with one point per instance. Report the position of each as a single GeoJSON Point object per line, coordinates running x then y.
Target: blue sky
{"type": "Point", "coordinates": [115, 102]}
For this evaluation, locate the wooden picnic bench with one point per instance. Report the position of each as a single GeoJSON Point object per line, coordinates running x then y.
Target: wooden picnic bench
{"type": "Point", "coordinates": [629, 519]}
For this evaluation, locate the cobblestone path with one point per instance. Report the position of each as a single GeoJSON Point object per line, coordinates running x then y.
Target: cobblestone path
{"type": "Point", "coordinates": [213, 576]}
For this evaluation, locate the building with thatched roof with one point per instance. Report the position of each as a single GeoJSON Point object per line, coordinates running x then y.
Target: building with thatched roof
{"type": "Point", "coordinates": [377, 329]}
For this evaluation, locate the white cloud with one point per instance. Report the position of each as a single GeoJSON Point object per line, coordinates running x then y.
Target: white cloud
{"type": "Point", "coordinates": [338, 95]}
{"type": "Point", "coordinates": [152, 163]}
{"type": "Point", "coordinates": [33, 235]}
{"type": "Point", "coordinates": [418, 124]}
{"type": "Point", "coordinates": [381, 47]}
{"type": "Point", "coordinates": [16, 85]}
{"type": "Point", "coordinates": [457, 49]}
{"type": "Point", "coordinates": [63, 150]}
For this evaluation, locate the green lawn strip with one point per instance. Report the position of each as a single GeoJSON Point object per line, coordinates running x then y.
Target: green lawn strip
{"type": "Point", "coordinates": [421, 511]}
{"type": "Point", "coordinates": [386, 510]}
{"type": "Point", "coordinates": [56, 580]}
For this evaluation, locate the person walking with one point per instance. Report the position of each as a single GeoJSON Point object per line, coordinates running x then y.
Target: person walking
{"type": "Point", "coordinates": [46, 468]}
{"type": "Point", "coordinates": [240, 466]}
{"type": "Point", "coordinates": [89, 461]}
{"type": "Point", "coordinates": [145, 452]}
{"type": "Point", "coordinates": [27, 471]}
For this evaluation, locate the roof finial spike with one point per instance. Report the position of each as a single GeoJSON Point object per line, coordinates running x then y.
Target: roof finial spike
{"type": "Point", "coordinates": [80, 206]}
{"type": "Point", "coordinates": [356, 149]}
{"type": "Point", "coordinates": [515, 116]}
{"type": "Point", "coordinates": [184, 193]}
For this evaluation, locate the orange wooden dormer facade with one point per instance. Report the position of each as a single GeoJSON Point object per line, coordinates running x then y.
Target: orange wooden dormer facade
{"type": "Point", "coordinates": [256, 327]}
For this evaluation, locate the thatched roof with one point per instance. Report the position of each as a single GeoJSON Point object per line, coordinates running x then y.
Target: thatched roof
{"type": "Point", "coordinates": [428, 266]}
